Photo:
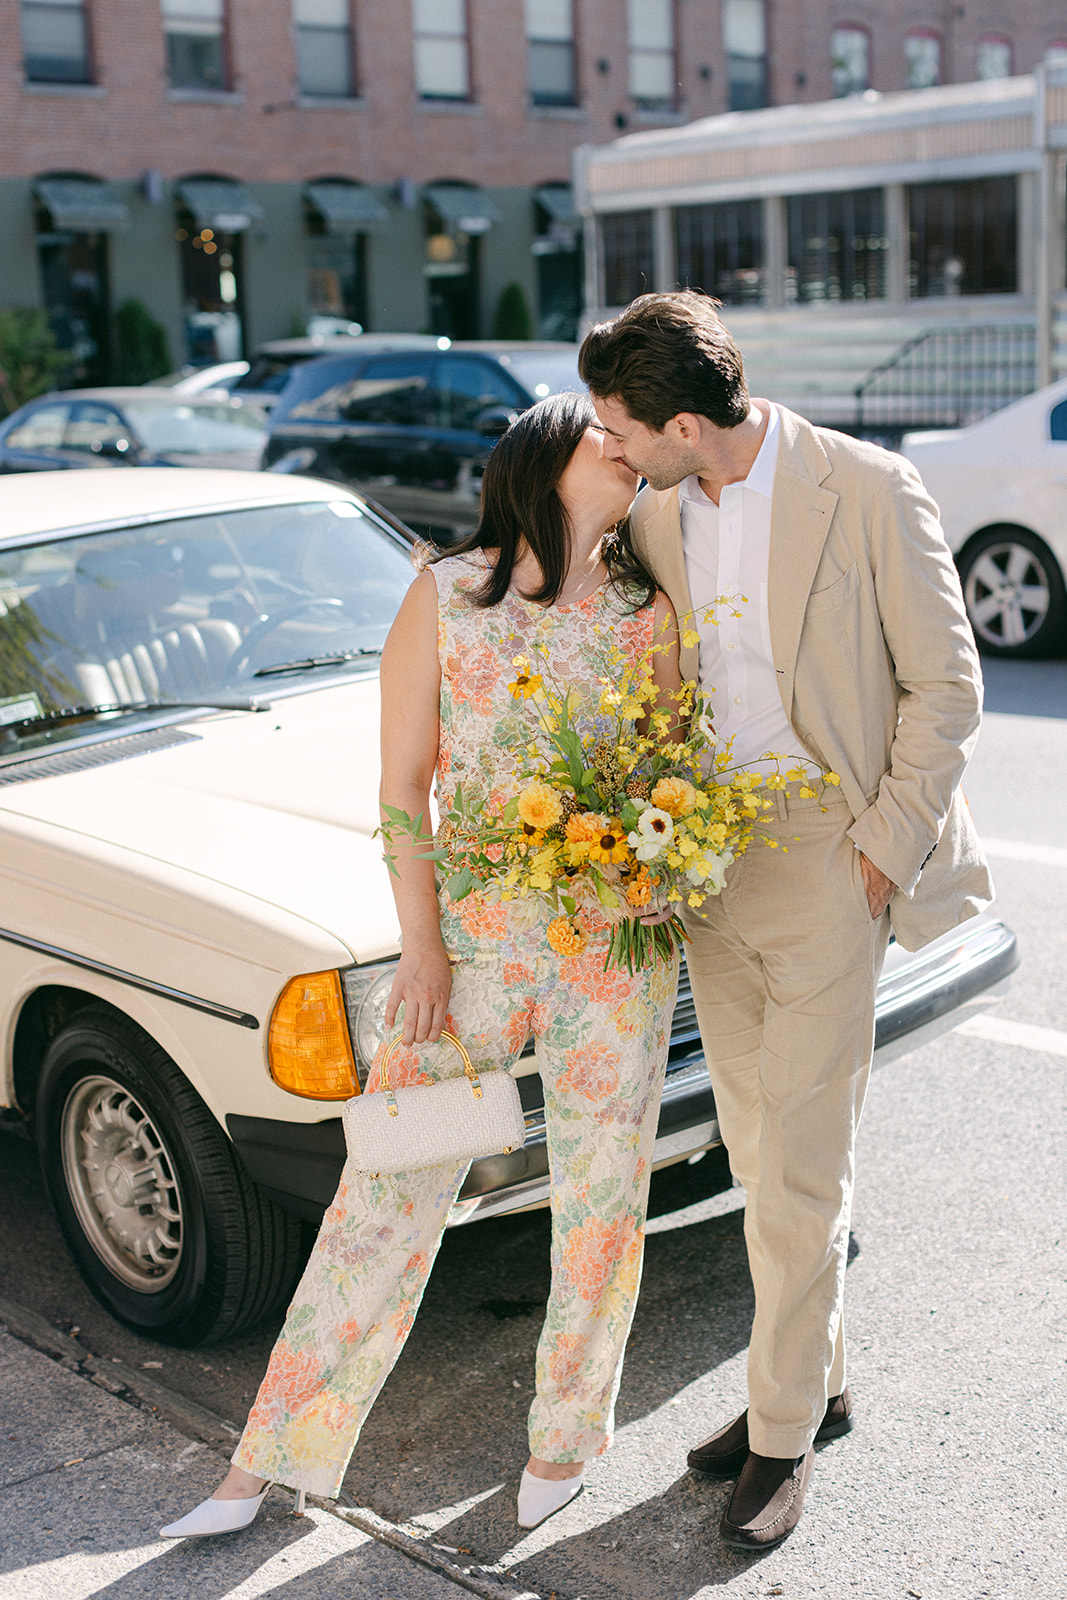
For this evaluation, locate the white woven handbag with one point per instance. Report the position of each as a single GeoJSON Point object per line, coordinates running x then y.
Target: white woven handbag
{"type": "Point", "coordinates": [434, 1124]}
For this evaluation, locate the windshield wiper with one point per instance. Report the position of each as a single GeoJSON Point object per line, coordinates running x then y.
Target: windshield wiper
{"type": "Point", "coordinates": [51, 719]}
{"type": "Point", "coordinates": [338, 659]}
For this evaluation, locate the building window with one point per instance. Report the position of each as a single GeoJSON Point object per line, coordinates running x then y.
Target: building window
{"type": "Point", "coordinates": [324, 57]}
{"type": "Point", "coordinates": [557, 237]}
{"type": "Point", "coordinates": [550, 52]}
{"type": "Point", "coordinates": [850, 61]}
{"type": "Point", "coordinates": [744, 28]}
{"type": "Point", "coordinates": [653, 72]}
{"type": "Point", "coordinates": [55, 41]}
{"type": "Point", "coordinates": [963, 238]}
{"type": "Point", "coordinates": [922, 59]}
{"type": "Point", "coordinates": [719, 250]}
{"type": "Point", "coordinates": [74, 282]}
{"type": "Point", "coordinates": [196, 52]}
{"type": "Point", "coordinates": [442, 58]}
{"type": "Point", "coordinates": [626, 246]}
{"type": "Point", "coordinates": [837, 247]}
{"type": "Point", "coordinates": [994, 57]}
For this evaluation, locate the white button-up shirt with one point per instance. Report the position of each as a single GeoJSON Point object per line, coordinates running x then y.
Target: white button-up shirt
{"type": "Point", "coordinates": [727, 555]}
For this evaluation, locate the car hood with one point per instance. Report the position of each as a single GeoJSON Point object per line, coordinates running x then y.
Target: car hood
{"type": "Point", "coordinates": [279, 805]}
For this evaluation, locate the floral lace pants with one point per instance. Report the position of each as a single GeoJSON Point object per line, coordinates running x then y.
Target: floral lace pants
{"type": "Point", "coordinates": [601, 1048]}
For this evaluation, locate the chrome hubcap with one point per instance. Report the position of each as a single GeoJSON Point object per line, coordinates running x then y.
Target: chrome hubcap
{"type": "Point", "coordinates": [121, 1179]}
{"type": "Point", "coordinates": [1008, 594]}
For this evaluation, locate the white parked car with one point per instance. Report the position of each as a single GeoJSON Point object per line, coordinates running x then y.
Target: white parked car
{"type": "Point", "coordinates": [197, 934]}
{"type": "Point", "coordinates": [1001, 485]}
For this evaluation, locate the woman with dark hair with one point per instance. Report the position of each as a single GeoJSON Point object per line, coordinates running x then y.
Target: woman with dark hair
{"type": "Point", "coordinates": [549, 577]}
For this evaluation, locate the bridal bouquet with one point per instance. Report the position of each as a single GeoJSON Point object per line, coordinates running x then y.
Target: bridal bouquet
{"type": "Point", "coordinates": [615, 815]}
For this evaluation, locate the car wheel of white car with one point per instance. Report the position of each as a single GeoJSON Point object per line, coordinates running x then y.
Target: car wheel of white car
{"type": "Point", "coordinates": [165, 1226]}
{"type": "Point", "coordinates": [1014, 592]}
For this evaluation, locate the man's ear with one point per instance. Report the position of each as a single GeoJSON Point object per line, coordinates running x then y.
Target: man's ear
{"type": "Point", "coordinates": [683, 428]}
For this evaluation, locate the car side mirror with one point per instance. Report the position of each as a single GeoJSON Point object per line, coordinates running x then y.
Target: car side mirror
{"type": "Point", "coordinates": [494, 421]}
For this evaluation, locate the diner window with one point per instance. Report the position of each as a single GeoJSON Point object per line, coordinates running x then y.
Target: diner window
{"type": "Point", "coordinates": [55, 41]}
{"type": "Point", "coordinates": [850, 61]}
{"type": "Point", "coordinates": [196, 44]}
{"type": "Point", "coordinates": [994, 57]}
{"type": "Point", "coordinates": [442, 57]}
{"type": "Point", "coordinates": [73, 264]}
{"type": "Point", "coordinates": [963, 238]}
{"type": "Point", "coordinates": [653, 71]}
{"type": "Point", "coordinates": [744, 29]}
{"type": "Point", "coordinates": [837, 246]}
{"type": "Point", "coordinates": [626, 244]}
{"type": "Point", "coordinates": [550, 52]}
{"type": "Point", "coordinates": [719, 250]}
{"type": "Point", "coordinates": [922, 59]}
{"type": "Point", "coordinates": [324, 55]}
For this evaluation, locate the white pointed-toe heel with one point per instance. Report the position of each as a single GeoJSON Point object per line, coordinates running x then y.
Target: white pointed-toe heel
{"type": "Point", "coordinates": [216, 1516]}
{"type": "Point", "coordinates": [543, 1497]}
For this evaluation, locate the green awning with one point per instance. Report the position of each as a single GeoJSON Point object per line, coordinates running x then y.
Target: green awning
{"type": "Point", "coordinates": [219, 203]}
{"type": "Point", "coordinates": [558, 201]}
{"type": "Point", "coordinates": [85, 205]}
{"type": "Point", "coordinates": [346, 207]}
{"type": "Point", "coordinates": [467, 210]}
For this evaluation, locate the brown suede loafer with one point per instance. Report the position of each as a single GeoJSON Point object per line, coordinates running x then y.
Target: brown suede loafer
{"type": "Point", "coordinates": [765, 1506]}
{"type": "Point", "coordinates": [725, 1453]}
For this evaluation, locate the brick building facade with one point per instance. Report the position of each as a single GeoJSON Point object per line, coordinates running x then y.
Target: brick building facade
{"type": "Point", "coordinates": [239, 166]}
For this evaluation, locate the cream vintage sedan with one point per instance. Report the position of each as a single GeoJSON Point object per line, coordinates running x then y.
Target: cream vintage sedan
{"type": "Point", "coordinates": [197, 934]}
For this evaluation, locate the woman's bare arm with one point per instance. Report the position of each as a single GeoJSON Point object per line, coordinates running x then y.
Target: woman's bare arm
{"type": "Point", "coordinates": [411, 697]}
{"type": "Point", "coordinates": [666, 668]}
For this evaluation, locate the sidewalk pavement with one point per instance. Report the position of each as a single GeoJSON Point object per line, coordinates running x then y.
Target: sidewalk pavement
{"type": "Point", "coordinates": [87, 1479]}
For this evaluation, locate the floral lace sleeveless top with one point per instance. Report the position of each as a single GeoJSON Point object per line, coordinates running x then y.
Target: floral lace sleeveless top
{"type": "Point", "coordinates": [482, 721]}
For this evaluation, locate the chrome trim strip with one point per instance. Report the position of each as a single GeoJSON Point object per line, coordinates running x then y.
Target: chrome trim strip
{"type": "Point", "coordinates": [242, 1019]}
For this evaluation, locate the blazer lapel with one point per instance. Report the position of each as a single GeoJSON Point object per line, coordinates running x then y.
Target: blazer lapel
{"type": "Point", "coordinates": [801, 511]}
{"type": "Point", "coordinates": [659, 540]}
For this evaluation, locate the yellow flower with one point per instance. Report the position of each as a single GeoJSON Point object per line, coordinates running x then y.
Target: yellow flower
{"type": "Point", "coordinates": [831, 777]}
{"type": "Point", "coordinates": [540, 806]}
{"type": "Point", "coordinates": [525, 685]}
{"type": "Point", "coordinates": [610, 844]}
{"type": "Point", "coordinates": [676, 796]}
{"type": "Point", "coordinates": [565, 937]}
{"type": "Point", "coordinates": [585, 828]}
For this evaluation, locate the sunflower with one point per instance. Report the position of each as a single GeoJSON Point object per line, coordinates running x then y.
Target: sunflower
{"type": "Point", "coordinates": [610, 846]}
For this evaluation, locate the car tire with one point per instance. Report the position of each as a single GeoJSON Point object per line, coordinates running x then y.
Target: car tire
{"type": "Point", "coordinates": [1014, 592]}
{"type": "Point", "coordinates": [165, 1226]}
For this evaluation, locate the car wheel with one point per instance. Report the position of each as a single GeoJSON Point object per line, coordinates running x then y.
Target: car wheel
{"type": "Point", "coordinates": [1014, 592]}
{"type": "Point", "coordinates": [165, 1226]}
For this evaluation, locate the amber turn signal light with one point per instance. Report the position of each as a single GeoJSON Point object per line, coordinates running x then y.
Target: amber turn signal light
{"type": "Point", "coordinates": [308, 1047]}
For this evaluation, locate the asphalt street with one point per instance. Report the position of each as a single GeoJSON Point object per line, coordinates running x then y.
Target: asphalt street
{"type": "Point", "coordinates": [951, 1486]}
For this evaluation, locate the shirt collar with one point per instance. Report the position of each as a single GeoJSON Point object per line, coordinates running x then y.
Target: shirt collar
{"type": "Point", "coordinates": [761, 474]}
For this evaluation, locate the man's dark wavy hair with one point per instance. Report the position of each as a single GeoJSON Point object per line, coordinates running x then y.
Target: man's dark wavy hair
{"type": "Point", "coordinates": [665, 354]}
{"type": "Point", "coordinates": [521, 506]}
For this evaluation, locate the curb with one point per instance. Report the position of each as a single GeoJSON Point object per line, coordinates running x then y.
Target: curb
{"type": "Point", "coordinates": [188, 1417]}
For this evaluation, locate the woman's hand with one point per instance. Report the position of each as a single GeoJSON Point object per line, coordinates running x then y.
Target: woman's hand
{"type": "Point", "coordinates": [654, 918]}
{"type": "Point", "coordinates": [422, 985]}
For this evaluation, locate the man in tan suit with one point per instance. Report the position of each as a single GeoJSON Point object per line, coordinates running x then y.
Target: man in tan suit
{"type": "Point", "coordinates": [822, 614]}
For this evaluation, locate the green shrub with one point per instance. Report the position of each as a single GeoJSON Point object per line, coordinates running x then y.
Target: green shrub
{"type": "Point", "coordinates": [30, 362]}
{"type": "Point", "coordinates": [141, 349]}
{"type": "Point", "coordinates": [513, 319]}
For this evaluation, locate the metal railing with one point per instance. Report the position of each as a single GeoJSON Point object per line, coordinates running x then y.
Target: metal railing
{"type": "Point", "coordinates": [949, 377]}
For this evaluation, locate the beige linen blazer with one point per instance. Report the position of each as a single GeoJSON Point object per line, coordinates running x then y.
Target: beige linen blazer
{"type": "Point", "coordinates": [876, 662]}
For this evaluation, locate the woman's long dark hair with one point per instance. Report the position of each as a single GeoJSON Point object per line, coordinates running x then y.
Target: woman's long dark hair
{"type": "Point", "coordinates": [521, 507]}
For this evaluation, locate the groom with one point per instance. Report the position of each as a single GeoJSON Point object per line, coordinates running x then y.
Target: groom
{"type": "Point", "coordinates": [837, 636]}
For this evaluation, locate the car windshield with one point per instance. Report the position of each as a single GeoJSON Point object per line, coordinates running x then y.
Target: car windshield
{"type": "Point", "coordinates": [200, 429]}
{"type": "Point", "coordinates": [193, 611]}
{"type": "Point", "coordinates": [544, 372]}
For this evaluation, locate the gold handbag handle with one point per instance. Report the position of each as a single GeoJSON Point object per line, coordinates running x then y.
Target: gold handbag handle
{"type": "Point", "coordinates": [449, 1038]}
